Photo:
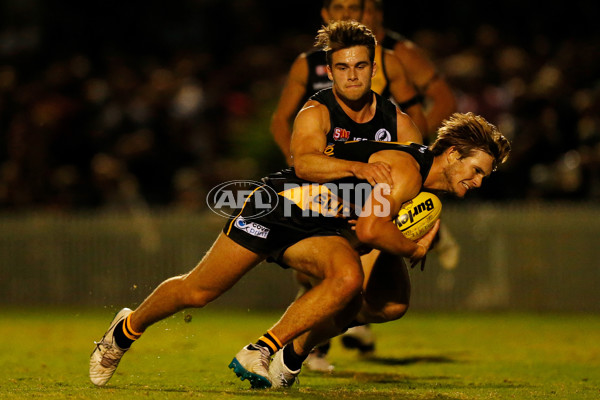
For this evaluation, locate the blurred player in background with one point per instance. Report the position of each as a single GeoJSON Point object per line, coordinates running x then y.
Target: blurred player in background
{"type": "Point", "coordinates": [437, 95]}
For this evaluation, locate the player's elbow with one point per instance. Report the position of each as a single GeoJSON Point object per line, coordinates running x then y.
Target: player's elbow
{"type": "Point", "coordinates": [366, 233]}
{"type": "Point", "coordinates": [302, 168]}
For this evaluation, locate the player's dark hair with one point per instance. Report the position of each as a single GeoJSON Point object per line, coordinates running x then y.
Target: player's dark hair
{"type": "Point", "coordinates": [469, 132]}
{"type": "Point", "coordinates": [341, 35]}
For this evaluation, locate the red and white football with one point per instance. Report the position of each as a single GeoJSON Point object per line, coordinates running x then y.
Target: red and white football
{"type": "Point", "coordinates": [417, 216]}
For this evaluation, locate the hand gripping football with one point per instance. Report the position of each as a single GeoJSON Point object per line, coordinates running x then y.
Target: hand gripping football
{"type": "Point", "coordinates": [417, 216]}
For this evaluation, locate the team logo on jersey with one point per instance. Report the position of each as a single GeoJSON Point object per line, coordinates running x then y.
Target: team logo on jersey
{"type": "Point", "coordinates": [383, 135]}
{"type": "Point", "coordinates": [252, 228]}
{"type": "Point", "coordinates": [340, 134]}
{"type": "Point", "coordinates": [329, 150]}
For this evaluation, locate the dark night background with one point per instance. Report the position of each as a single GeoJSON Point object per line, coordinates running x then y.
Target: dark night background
{"type": "Point", "coordinates": [102, 103]}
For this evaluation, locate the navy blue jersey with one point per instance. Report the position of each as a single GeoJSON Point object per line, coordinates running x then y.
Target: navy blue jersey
{"type": "Point", "coordinates": [381, 128]}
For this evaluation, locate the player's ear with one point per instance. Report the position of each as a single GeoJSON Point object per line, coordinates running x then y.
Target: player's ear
{"type": "Point", "coordinates": [329, 74]}
{"type": "Point", "coordinates": [452, 154]}
{"type": "Point", "coordinates": [374, 70]}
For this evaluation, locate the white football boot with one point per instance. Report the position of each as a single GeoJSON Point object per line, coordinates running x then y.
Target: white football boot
{"type": "Point", "coordinates": [281, 376]}
{"type": "Point", "coordinates": [360, 337]}
{"type": "Point", "coordinates": [253, 365]}
{"type": "Point", "coordinates": [106, 356]}
{"type": "Point", "coordinates": [317, 361]}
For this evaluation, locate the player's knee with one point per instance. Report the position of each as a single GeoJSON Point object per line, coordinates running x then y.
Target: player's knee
{"type": "Point", "coordinates": [195, 296]}
{"type": "Point", "coordinates": [348, 284]}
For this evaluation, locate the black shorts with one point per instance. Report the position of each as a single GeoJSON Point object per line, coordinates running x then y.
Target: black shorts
{"type": "Point", "coordinates": [272, 234]}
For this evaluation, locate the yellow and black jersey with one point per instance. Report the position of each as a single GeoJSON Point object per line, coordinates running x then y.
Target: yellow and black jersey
{"type": "Point", "coordinates": [303, 209]}
{"type": "Point", "coordinates": [338, 198]}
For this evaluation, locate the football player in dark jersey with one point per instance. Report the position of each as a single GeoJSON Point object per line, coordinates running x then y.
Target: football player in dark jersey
{"type": "Point", "coordinates": [308, 75]}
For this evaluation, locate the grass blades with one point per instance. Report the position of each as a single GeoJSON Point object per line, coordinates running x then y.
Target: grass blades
{"type": "Point", "coordinates": [45, 353]}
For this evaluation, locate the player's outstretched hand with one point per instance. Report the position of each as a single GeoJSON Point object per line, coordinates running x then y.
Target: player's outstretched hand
{"type": "Point", "coordinates": [377, 172]}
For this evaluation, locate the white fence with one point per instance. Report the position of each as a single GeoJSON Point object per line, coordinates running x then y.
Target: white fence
{"type": "Point", "coordinates": [535, 257]}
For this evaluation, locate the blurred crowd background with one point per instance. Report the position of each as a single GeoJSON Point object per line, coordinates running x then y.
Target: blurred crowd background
{"type": "Point", "coordinates": [105, 104]}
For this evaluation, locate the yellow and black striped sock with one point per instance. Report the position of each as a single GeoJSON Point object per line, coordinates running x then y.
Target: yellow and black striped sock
{"type": "Point", "coordinates": [269, 341]}
{"type": "Point", "coordinates": [124, 334]}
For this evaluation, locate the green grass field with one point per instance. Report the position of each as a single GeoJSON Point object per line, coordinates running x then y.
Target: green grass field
{"type": "Point", "coordinates": [44, 354]}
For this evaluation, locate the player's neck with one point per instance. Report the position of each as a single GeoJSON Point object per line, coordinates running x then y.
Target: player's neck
{"type": "Point", "coordinates": [436, 179]}
{"type": "Point", "coordinates": [361, 110]}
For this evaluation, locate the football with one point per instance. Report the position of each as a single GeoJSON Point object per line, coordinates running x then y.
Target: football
{"type": "Point", "coordinates": [417, 216]}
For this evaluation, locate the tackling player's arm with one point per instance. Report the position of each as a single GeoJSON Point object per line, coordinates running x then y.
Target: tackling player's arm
{"type": "Point", "coordinates": [403, 90]}
{"type": "Point", "coordinates": [289, 103]}
{"type": "Point", "coordinates": [379, 231]}
{"type": "Point", "coordinates": [309, 139]}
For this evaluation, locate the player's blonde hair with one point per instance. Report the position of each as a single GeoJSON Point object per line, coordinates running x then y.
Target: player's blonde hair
{"type": "Point", "coordinates": [469, 132]}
